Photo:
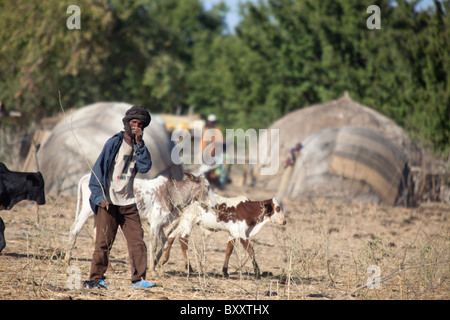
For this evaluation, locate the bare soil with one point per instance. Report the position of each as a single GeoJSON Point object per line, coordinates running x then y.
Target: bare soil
{"type": "Point", "coordinates": [326, 251]}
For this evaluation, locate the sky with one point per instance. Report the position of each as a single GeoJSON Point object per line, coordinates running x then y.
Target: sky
{"type": "Point", "coordinates": [232, 18]}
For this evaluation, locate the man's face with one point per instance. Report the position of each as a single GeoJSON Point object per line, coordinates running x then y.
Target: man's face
{"type": "Point", "coordinates": [136, 123]}
{"type": "Point", "coordinates": [136, 127]}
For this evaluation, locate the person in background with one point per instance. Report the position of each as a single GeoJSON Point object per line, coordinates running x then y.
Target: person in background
{"type": "Point", "coordinates": [214, 147]}
{"type": "Point", "coordinates": [219, 176]}
{"type": "Point", "coordinates": [211, 135]}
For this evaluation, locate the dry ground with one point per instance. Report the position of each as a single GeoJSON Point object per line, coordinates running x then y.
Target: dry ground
{"type": "Point", "coordinates": [324, 252]}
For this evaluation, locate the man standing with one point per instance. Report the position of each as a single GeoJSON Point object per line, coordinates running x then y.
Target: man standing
{"type": "Point", "coordinates": [112, 198]}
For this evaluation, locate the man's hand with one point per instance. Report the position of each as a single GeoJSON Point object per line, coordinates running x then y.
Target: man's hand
{"type": "Point", "coordinates": [137, 133]}
{"type": "Point", "coordinates": [104, 204]}
{"type": "Point", "coordinates": [137, 129]}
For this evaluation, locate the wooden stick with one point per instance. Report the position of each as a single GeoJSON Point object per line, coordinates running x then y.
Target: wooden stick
{"type": "Point", "coordinates": [81, 149]}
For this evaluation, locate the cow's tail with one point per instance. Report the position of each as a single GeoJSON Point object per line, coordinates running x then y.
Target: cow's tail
{"type": "Point", "coordinates": [79, 196]}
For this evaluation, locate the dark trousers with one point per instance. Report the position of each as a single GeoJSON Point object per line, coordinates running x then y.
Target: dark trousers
{"type": "Point", "coordinates": [107, 222]}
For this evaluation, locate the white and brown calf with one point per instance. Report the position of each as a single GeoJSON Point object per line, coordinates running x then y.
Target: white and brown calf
{"type": "Point", "coordinates": [158, 201]}
{"type": "Point", "coordinates": [240, 217]}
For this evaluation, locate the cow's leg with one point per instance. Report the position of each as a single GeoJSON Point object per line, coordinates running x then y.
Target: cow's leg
{"type": "Point", "coordinates": [246, 244]}
{"type": "Point", "coordinates": [2, 235]}
{"type": "Point", "coordinates": [228, 253]}
{"type": "Point", "coordinates": [80, 220]}
{"type": "Point", "coordinates": [173, 232]}
{"type": "Point", "coordinates": [153, 243]}
{"type": "Point", "coordinates": [184, 247]}
{"type": "Point", "coordinates": [162, 245]}
{"type": "Point", "coordinates": [166, 254]}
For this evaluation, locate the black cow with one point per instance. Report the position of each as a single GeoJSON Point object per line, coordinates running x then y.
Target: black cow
{"type": "Point", "coordinates": [2, 235]}
{"type": "Point", "coordinates": [18, 186]}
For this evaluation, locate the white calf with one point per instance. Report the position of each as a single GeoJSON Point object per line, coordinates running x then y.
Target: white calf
{"type": "Point", "coordinates": [241, 218]}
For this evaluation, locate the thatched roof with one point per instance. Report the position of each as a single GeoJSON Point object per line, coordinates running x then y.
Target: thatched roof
{"type": "Point", "coordinates": [352, 164]}
{"type": "Point", "coordinates": [81, 135]}
{"type": "Point", "coordinates": [300, 124]}
{"type": "Point", "coordinates": [297, 125]}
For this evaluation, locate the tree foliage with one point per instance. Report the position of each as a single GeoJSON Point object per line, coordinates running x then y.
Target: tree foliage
{"type": "Point", "coordinates": [285, 54]}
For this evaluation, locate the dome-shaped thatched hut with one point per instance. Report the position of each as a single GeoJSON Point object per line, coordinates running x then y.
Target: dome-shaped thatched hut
{"type": "Point", "coordinates": [345, 145]}
{"type": "Point", "coordinates": [352, 164]}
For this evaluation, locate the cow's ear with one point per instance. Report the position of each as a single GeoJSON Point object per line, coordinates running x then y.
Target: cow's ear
{"type": "Point", "coordinates": [269, 208]}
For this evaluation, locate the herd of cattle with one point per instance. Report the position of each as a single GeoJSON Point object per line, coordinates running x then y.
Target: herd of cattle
{"type": "Point", "coordinates": [170, 207]}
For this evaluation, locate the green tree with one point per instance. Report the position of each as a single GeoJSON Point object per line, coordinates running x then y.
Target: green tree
{"type": "Point", "coordinates": [134, 51]}
{"type": "Point", "coordinates": [287, 54]}
{"type": "Point", "coordinates": [284, 55]}
{"type": "Point", "coordinates": [40, 56]}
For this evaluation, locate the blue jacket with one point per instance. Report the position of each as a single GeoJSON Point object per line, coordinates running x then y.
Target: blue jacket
{"type": "Point", "coordinates": [103, 163]}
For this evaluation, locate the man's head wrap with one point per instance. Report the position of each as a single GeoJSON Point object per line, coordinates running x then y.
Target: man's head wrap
{"type": "Point", "coordinates": [136, 112]}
